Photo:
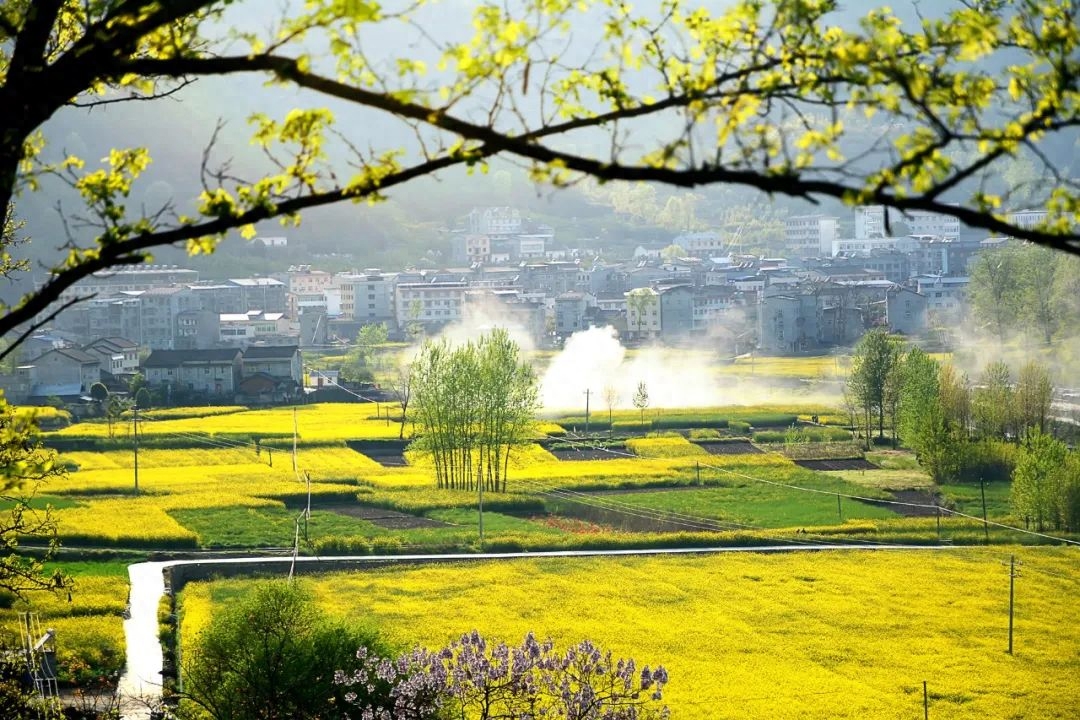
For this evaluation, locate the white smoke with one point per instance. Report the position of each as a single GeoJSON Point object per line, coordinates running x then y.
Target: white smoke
{"type": "Point", "coordinates": [595, 360]}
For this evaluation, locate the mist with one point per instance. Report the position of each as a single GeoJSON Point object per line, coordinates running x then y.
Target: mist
{"type": "Point", "coordinates": [595, 360]}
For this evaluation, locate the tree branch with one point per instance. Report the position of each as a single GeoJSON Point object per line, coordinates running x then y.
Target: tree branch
{"type": "Point", "coordinates": [789, 184]}
{"type": "Point", "coordinates": [130, 251]}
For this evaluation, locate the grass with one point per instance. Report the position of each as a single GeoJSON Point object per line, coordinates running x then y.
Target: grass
{"type": "Point", "coordinates": [841, 635]}
{"type": "Point", "coordinates": [761, 504]}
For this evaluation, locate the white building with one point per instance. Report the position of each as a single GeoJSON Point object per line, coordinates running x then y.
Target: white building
{"type": "Point", "coordinates": [944, 294]}
{"type": "Point", "coordinates": [367, 296]}
{"type": "Point", "coordinates": [808, 235]}
{"type": "Point", "coordinates": [435, 303]}
{"type": "Point", "coordinates": [643, 313]}
{"type": "Point", "coordinates": [869, 221]}
{"type": "Point", "coordinates": [1027, 219]}
{"type": "Point", "coordinates": [920, 222]}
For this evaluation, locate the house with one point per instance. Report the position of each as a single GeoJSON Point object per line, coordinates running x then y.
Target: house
{"type": "Point", "coordinates": [209, 372]}
{"type": "Point", "coordinates": [570, 313]}
{"type": "Point", "coordinates": [676, 311]}
{"type": "Point", "coordinates": [643, 313]}
{"type": "Point", "coordinates": [65, 368]}
{"type": "Point", "coordinates": [281, 362]}
{"type": "Point", "coordinates": [117, 355]}
{"type": "Point", "coordinates": [905, 311]}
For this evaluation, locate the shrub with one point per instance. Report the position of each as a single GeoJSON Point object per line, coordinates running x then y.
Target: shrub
{"type": "Point", "coordinates": [739, 427]}
{"type": "Point", "coordinates": [989, 460]}
{"type": "Point", "coordinates": [705, 434]}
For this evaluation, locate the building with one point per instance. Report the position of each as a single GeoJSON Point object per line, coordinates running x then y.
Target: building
{"type": "Point", "coordinates": [1027, 219]}
{"type": "Point", "coordinates": [281, 362]}
{"type": "Point", "coordinates": [946, 296]}
{"type": "Point", "coordinates": [643, 313]}
{"type": "Point", "coordinates": [138, 277]}
{"type": "Point", "coordinates": [261, 293]}
{"type": "Point", "coordinates": [905, 311]}
{"type": "Point", "coordinates": [701, 244]}
{"type": "Point", "coordinates": [469, 248]}
{"type": "Point", "coordinates": [676, 311]}
{"type": "Point", "coordinates": [809, 235]}
{"type": "Point", "coordinates": [570, 308]}
{"type": "Point", "coordinates": [499, 221]}
{"type": "Point", "coordinates": [368, 297]}
{"type": "Point", "coordinates": [870, 222]}
{"type": "Point", "coordinates": [203, 372]}
{"type": "Point", "coordinates": [921, 222]}
{"type": "Point", "coordinates": [431, 304]}
{"type": "Point", "coordinates": [117, 355]}
{"type": "Point", "coordinates": [242, 329]}
{"type": "Point", "coordinates": [64, 369]}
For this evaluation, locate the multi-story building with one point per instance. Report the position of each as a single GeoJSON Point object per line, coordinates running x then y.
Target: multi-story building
{"type": "Point", "coordinates": [161, 311]}
{"type": "Point", "coordinates": [243, 329]}
{"type": "Point", "coordinates": [430, 304]}
{"type": "Point", "coordinates": [809, 235]}
{"type": "Point", "coordinates": [869, 222]}
{"type": "Point", "coordinates": [570, 310]}
{"type": "Point", "coordinates": [499, 221]}
{"type": "Point", "coordinates": [139, 277]}
{"type": "Point", "coordinates": [211, 372]}
{"type": "Point", "coordinates": [921, 222]}
{"type": "Point", "coordinates": [1027, 219]}
{"type": "Point", "coordinates": [117, 355]}
{"type": "Point", "coordinates": [676, 311]}
{"type": "Point", "coordinates": [945, 295]}
{"type": "Point", "coordinates": [701, 244]}
{"type": "Point", "coordinates": [367, 297]}
{"type": "Point", "coordinates": [643, 318]}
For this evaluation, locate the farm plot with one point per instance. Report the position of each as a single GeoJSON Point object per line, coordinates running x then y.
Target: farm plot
{"type": "Point", "coordinates": [808, 635]}
{"type": "Point", "coordinates": [729, 448]}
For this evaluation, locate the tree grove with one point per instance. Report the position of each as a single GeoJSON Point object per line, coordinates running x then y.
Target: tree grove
{"type": "Point", "coordinates": [473, 403]}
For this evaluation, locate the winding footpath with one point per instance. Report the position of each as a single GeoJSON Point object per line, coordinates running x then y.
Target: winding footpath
{"type": "Point", "coordinates": [140, 684]}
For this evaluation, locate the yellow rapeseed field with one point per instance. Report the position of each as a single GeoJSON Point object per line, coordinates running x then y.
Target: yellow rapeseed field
{"type": "Point", "coordinates": [664, 447]}
{"type": "Point", "coordinates": [834, 635]}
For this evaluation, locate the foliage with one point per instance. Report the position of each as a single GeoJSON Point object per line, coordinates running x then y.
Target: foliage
{"type": "Point", "coordinates": [24, 466]}
{"type": "Point", "coordinates": [271, 654]}
{"type": "Point", "coordinates": [873, 371]}
{"type": "Point", "coordinates": [473, 404]}
{"type": "Point", "coordinates": [1046, 483]}
{"type": "Point", "coordinates": [924, 426]}
{"type": "Point", "coordinates": [1025, 289]}
{"type": "Point", "coordinates": [641, 399]}
{"type": "Point", "coordinates": [993, 403]}
{"type": "Point", "coordinates": [486, 681]}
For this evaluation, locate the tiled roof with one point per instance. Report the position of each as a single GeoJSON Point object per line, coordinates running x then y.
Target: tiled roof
{"type": "Point", "coordinates": [175, 358]}
{"type": "Point", "coordinates": [270, 352]}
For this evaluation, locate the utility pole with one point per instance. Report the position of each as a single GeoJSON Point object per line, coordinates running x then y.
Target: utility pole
{"type": "Point", "coordinates": [136, 445]}
{"type": "Point", "coordinates": [294, 440]}
{"type": "Point", "coordinates": [925, 702]}
{"type": "Point", "coordinates": [480, 491]}
{"type": "Point", "coordinates": [839, 509]}
{"type": "Point", "coordinates": [307, 511]}
{"type": "Point", "coordinates": [1013, 574]}
{"type": "Point", "coordinates": [986, 528]}
{"type": "Point", "coordinates": [587, 391]}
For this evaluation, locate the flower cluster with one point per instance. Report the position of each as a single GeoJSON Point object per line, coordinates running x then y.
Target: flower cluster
{"type": "Point", "coordinates": [530, 681]}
